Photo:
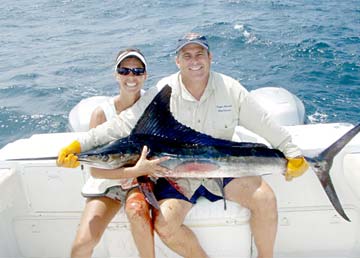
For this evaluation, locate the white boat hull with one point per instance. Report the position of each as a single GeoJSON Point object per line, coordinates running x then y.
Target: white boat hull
{"type": "Point", "coordinates": [41, 204]}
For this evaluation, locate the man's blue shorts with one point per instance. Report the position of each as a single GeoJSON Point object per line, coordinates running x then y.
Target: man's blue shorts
{"type": "Point", "coordinates": [164, 190]}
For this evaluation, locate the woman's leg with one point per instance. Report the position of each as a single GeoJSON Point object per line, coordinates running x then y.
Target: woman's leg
{"type": "Point", "coordinates": [138, 212]}
{"type": "Point", "coordinates": [97, 214]}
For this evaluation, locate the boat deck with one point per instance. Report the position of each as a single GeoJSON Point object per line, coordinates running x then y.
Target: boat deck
{"type": "Point", "coordinates": [40, 207]}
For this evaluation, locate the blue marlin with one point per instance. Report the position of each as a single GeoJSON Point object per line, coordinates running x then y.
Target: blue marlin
{"type": "Point", "coordinates": [197, 155]}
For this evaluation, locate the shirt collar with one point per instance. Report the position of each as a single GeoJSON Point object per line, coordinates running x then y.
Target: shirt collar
{"type": "Point", "coordinates": [185, 94]}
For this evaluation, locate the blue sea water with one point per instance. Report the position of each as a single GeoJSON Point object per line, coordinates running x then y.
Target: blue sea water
{"type": "Point", "coordinates": [53, 53]}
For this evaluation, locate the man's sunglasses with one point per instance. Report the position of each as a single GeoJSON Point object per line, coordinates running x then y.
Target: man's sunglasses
{"type": "Point", "coordinates": [126, 71]}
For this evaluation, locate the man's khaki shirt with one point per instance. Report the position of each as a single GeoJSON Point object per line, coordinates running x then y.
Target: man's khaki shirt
{"type": "Point", "coordinates": [224, 104]}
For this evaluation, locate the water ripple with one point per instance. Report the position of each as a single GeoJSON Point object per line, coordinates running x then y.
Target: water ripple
{"type": "Point", "coordinates": [54, 53]}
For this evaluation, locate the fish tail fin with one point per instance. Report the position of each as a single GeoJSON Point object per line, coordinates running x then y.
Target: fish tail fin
{"type": "Point", "coordinates": [146, 187]}
{"type": "Point", "coordinates": [322, 164]}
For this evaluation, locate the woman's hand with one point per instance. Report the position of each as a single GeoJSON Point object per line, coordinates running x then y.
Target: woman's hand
{"type": "Point", "coordinates": [67, 156]}
{"type": "Point", "coordinates": [150, 167]}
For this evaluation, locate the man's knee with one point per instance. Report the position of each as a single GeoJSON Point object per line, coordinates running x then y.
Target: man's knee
{"type": "Point", "coordinates": [165, 226]}
{"type": "Point", "coordinates": [164, 229]}
{"type": "Point", "coordinates": [169, 221]}
{"type": "Point", "coordinates": [264, 199]}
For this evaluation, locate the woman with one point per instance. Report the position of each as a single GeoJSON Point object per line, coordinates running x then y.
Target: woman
{"type": "Point", "coordinates": [107, 190]}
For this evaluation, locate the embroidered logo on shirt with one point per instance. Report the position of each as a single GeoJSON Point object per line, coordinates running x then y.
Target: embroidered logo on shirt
{"type": "Point", "coordinates": [223, 108]}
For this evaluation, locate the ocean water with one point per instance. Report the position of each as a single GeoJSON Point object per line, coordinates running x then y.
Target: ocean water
{"type": "Point", "coordinates": [53, 53]}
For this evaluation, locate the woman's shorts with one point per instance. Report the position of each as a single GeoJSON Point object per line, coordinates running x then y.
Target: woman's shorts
{"type": "Point", "coordinates": [115, 192]}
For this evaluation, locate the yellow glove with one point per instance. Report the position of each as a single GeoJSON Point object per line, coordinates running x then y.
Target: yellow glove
{"type": "Point", "coordinates": [295, 167]}
{"type": "Point", "coordinates": [67, 157]}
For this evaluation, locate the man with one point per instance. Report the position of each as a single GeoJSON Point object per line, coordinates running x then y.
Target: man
{"type": "Point", "coordinates": [214, 104]}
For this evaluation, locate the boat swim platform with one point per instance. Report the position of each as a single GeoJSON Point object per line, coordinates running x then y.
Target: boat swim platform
{"type": "Point", "coordinates": [41, 205]}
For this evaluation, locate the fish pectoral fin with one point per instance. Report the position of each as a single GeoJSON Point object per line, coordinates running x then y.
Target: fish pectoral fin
{"type": "Point", "coordinates": [146, 187]}
{"type": "Point", "coordinates": [220, 183]}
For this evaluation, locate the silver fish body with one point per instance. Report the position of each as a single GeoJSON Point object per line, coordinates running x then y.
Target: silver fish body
{"type": "Point", "coordinates": [194, 154]}
{"type": "Point", "coordinates": [197, 160]}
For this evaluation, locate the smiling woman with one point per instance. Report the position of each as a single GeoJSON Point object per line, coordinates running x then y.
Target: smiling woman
{"type": "Point", "coordinates": [106, 191]}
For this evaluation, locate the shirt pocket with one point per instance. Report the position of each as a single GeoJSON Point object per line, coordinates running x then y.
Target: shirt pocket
{"type": "Point", "coordinates": [221, 126]}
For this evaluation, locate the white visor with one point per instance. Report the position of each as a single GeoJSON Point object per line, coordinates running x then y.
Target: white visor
{"type": "Point", "coordinates": [130, 54]}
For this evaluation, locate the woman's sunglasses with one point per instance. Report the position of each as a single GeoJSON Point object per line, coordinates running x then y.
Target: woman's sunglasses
{"type": "Point", "coordinates": [126, 71]}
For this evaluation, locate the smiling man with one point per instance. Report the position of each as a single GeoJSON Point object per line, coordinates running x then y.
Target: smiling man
{"type": "Point", "coordinates": [215, 104]}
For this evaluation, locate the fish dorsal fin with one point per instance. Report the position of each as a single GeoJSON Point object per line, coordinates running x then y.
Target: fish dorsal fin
{"type": "Point", "coordinates": [158, 120]}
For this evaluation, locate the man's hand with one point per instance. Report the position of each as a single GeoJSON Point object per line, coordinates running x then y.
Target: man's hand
{"type": "Point", "coordinates": [67, 157]}
{"type": "Point", "coordinates": [295, 167]}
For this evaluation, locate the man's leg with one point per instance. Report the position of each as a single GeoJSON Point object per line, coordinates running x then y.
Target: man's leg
{"type": "Point", "coordinates": [255, 194]}
{"type": "Point", "coordinates": [169, 226]}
